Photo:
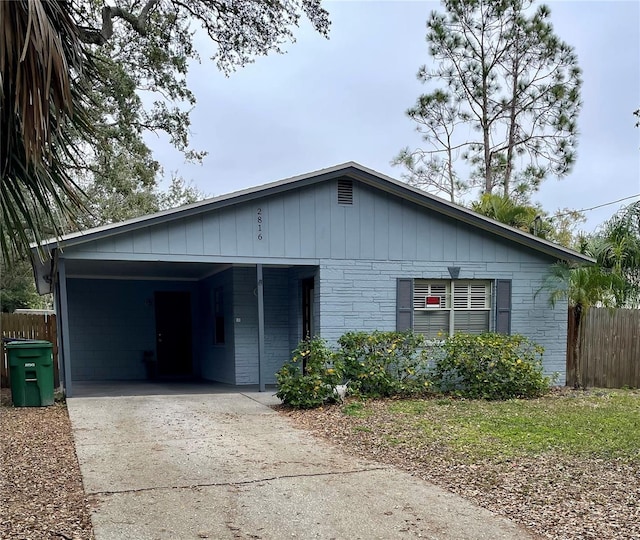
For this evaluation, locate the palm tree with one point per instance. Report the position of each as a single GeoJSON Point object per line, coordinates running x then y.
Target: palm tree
{"type": "Point", "coordinates": [583, 287]}
{"type": "Point", "coordinates": [42, 111]}
{"type": "Point", "coordinates": [616, 247]}
{"type": "Point", "coordinates": [506, 210]}
{"type": "Point", "coordinates": [614, 279]}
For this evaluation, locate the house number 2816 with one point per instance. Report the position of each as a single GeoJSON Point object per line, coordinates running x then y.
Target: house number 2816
{"type": "Point", "coordinates": [259, 219]}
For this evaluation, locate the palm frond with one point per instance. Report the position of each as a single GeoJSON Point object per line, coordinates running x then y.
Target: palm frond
{"type": "Point", "coordinates": [43, 68]}
{"type": "Point", "coordinates": [584, 286]}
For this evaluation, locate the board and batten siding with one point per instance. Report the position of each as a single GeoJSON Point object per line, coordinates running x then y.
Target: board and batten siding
{"type": "Point", "coordinates": [307, 224]}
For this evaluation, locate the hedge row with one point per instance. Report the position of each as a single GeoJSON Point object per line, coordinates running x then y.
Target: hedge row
{"type": "Point", "coordinates": [383, 364]}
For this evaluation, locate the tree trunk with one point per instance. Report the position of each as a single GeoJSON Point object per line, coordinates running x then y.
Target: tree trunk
{"type": "Point", "coordinates": [488, 173]}
{"type": "Point", "coordinates": [450, 169]}
{"type": "Point", "coordinates": [137, 23]}
{"type": "Point", "coordinates": [578, 349]}
{"type": "Point", "coordinates": [512, 129]}
{"type": "Point", "coordinates": [486, 134]}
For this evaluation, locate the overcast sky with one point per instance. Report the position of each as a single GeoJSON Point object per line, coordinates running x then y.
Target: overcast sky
{"type": "Point", "coordinates": [330, 101]}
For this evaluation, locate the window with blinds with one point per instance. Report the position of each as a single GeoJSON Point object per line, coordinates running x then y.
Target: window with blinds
{"type": "Point", "coordinates": [428, 295]}
{"type": "Point", "coordinates": [443, 308]}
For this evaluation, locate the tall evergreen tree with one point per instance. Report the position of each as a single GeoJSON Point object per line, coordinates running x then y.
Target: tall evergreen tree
{"type": "Point", "coordinates": [505, 96]}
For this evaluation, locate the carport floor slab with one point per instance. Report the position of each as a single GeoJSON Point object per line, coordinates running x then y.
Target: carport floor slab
{"type": "Point", "coordinates": [227, 466]}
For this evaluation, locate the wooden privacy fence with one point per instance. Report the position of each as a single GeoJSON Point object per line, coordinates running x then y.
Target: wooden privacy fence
{"type": "Point", "coordinates": [608, 347]}
{"type": "Point", "coordinates": [30, 326]}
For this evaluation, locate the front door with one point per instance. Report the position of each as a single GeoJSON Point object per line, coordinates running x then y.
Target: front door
{"type": "Point", "coordinates": [173, 333]}
{"type": "Point", "coordinates": [307, 308]}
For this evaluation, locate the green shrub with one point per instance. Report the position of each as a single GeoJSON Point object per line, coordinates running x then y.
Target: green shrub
{"type": "Point", "coordinates": [380, 364]}
{"type": "Point", "coordinates": [322, 372]}
{"type": "Point", "coordinates": [490, 366]}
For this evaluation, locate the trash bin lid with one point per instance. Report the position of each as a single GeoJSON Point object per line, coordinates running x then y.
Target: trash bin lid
{"type": "Point", "coordinates": [35, 343]}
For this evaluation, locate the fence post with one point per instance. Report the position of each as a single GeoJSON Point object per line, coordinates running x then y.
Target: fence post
{"type": "Point", "coordinates": [572, 338]}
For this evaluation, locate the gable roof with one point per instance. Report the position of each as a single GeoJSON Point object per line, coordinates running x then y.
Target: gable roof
{"type": "Point", "coordinates": [350, 170]}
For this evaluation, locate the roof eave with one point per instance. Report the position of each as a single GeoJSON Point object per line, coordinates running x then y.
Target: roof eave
{"type": "Point", "coordinates": [350, 169]}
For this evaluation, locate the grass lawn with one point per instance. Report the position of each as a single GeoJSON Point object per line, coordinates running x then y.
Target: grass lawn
{"type": "Point", "coordinates": [566, 466]}
{"type": "Point", "coordinates": [603, 424]}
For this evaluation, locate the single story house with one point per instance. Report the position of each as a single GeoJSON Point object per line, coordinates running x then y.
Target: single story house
{"type": "Point", "coordinates": [224, 289]}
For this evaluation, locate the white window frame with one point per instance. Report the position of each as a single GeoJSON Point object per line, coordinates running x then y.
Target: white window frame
{"type": "Point", "coordinates": [434, 287]}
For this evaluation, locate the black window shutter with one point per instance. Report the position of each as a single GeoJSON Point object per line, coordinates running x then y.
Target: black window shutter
{"type": "Point", "coordinates": [503, 306]}
{"type": "Point", "coordinates": [404, 305]}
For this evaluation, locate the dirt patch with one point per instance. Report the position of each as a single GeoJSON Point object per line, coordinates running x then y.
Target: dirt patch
{"type": "Point", "coordinates": [41, 493]}
{"type": "Point", "coordinates": [557, 497]}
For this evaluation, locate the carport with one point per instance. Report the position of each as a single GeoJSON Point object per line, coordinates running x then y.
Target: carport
{"type": "Point", "coordinates": [123, 320]}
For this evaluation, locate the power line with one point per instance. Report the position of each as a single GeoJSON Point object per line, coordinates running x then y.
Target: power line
{"type": "Point", "coordinates": [594, 207]}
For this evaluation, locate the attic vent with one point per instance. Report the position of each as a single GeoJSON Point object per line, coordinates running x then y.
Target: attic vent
{"type": "Point", "coordinates": [345, 192]}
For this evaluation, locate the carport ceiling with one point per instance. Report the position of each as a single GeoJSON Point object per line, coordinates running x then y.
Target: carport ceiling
{"type": "Point", "coordinates": [183, 271]}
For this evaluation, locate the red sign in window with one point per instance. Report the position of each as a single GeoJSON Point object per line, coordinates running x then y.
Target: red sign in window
{"type": "Point", "coordinates": [432, 301]}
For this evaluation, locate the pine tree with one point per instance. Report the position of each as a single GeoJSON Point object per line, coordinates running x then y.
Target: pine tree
{"type": "Point", "coordinates": [505, 98]}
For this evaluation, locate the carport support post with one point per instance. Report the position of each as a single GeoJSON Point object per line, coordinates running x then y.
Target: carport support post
{"type": "Point", "coordinates": [64, 318]}
{"type": "Point", "coordinates": [58, 310]}
{"type": "Point", "coordinates": [260, 327]}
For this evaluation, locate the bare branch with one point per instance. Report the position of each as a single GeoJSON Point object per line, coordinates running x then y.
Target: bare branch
{"type": "Point", "coordinates": [137, 23]}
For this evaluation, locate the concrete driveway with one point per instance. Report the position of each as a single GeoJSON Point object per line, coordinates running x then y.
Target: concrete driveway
{"type": "Point", "coordinates": [227, 466]}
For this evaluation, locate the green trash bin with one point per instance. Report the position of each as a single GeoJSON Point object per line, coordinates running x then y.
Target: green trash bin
{"type": "Point", "coordinates": [31, 371]}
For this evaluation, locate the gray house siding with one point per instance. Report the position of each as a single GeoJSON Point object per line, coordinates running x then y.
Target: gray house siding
{"type": "Point", "coordinates": [217, 359]}
{"type": "Point", "coordinates": [276, 325]}
{"type": "Point", "coordinates": [308, 223]}
{"type": "Point", "coordinates": [111, 324]}
{"type": "Point", "coordinates": [281, 314]}
{"type": "Point", "coordinates": [362, 296]}
{"type": "Point", "coordinates": [287, 230]}
{"type": "Point", "coordinates": [245, 324]}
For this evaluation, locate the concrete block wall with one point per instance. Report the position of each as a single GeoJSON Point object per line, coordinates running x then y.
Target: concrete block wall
{"type": "Point", "coordinates": [361, 295]}
{"type": "Point", "coordinates": [245, 322]}
{"type": "Point", "coordinates": [217, 360]}
{"type": "Point", "coordinates": [276, 321]}
{"type": "Point", "coordinates": [111, 324]}
{"type": "Point", "coordinates": [245, 325]}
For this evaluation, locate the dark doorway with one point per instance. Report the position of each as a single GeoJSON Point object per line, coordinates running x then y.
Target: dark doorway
{"type": "Point", "coordinates": [173, 333]}
{"type": "Point", "coordinates": [307, 308]}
